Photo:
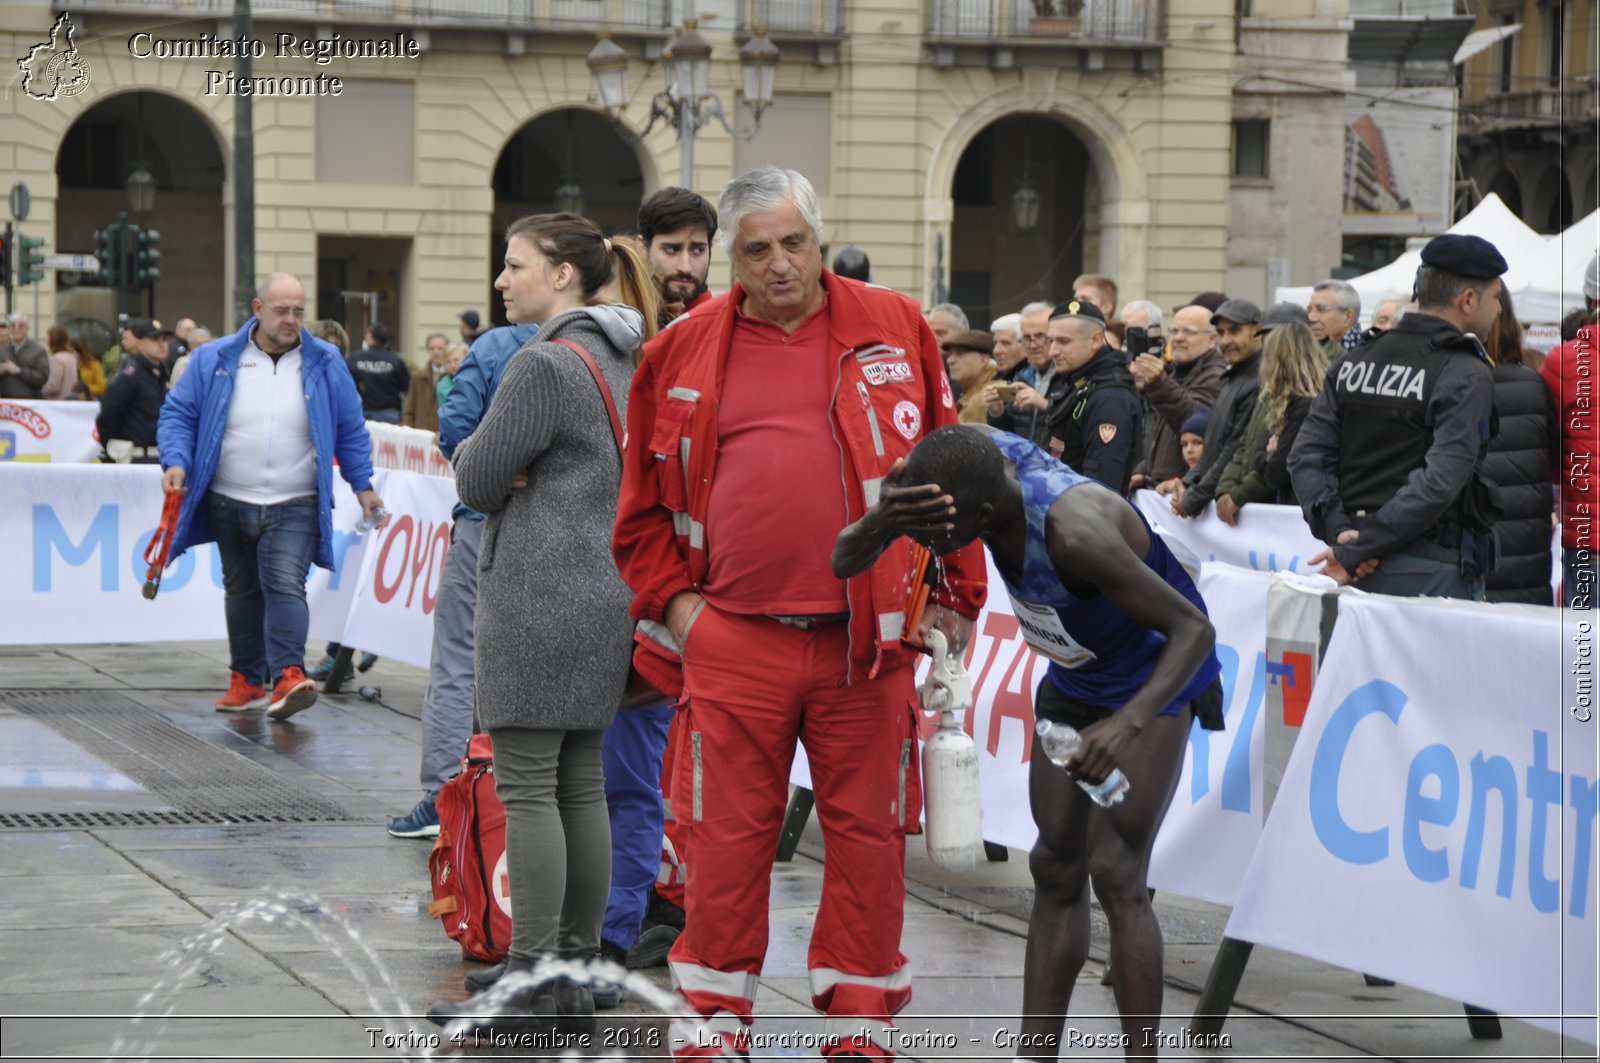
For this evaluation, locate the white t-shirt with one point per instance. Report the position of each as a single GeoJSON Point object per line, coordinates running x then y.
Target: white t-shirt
{"type": "Point", "coordinates": [267, 455]}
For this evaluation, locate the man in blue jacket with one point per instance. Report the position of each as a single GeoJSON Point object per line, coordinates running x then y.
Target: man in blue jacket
{"type": "Point", "coordinates": [249, 435]}
{"type": "Point", "coordinates": [452, 678]}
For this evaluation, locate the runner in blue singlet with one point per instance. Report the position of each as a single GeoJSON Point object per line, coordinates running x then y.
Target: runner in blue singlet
{"type": "Point", "coordinates": [1131, 662]}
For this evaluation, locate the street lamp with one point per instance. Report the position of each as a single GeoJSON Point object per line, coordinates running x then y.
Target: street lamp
{"type": "Point", "coordinates": [1025, 203]}
{"type": "Point", "coordinates": [141, 191]}
{"type": "Point", "coordinates": [688, 102]}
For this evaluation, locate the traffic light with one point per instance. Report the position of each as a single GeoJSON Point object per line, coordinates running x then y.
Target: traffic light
{"type": "Point", "coordinates": [108, 253]}
{"type": "Point", "coordinates": [30, 259]}
{"type": "Point", "coordinates": [5, 257]}
{"type": "Point", "coordinates": [146, 257]}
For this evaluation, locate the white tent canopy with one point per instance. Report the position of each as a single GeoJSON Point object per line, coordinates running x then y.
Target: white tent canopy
{"type": "Point", "coordinates": [1547, 284]}
{"type": "Point", "coordinates": [1490, 219]}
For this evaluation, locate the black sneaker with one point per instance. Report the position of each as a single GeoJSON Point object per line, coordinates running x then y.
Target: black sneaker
{"type": "Point", "coordinates": [607, 995]}
{"type": "Point", "coordinates": [528, 1012]}
{"type": "Point", "coordinates": [575, 1001]}
{"type": "Point", "coordinates": [479, 980]}
{"type": "Point", "coordinates": [652, 947]}
{"type": "Point", "coordinates": [662, 912]}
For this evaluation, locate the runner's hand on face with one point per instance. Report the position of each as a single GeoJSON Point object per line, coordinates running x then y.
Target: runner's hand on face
{"type": "Point", "coordinates": [920, 512]}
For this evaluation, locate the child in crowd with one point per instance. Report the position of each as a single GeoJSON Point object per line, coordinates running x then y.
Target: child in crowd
{"type": "Point", "coordinates": [1192, 438]}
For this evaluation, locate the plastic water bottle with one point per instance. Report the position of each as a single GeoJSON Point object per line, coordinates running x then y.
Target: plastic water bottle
{"type": "Point", "coordinates": [1061, 742]}
{"type": "Point", "coordinates": [374, 520]}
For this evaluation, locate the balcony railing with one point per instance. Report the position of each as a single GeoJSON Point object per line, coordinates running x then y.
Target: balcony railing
{"type": "Point", "coordinates": [1543, 106]}
{"type": "Point", "coordinates": [516, 15]}
{"type": "Point", "coordinates": [793, 18]}
{"type": "Point", "coordinates": [1044, 21]}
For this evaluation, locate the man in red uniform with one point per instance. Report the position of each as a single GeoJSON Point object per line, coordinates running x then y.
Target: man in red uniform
{"type": "Point", "coordinates": [759, 426]}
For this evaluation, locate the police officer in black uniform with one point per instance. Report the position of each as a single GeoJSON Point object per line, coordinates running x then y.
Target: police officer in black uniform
{"type": "Point", "coordinates": [1386, 465]}
{"type": "Point", "coordinates": [1095, 423]}
{"type": "Point", "coordinates": [131, 405]}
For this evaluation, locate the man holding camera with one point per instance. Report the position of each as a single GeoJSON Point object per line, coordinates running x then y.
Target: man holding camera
{"type": "Point", "coordinates": [1021, 405]}
{"type": "Point", "coordinates": [1177, 391]}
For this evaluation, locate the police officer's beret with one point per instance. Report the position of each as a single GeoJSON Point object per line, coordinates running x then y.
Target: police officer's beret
{"type": "Point", "coordinates": [1077, 308]}
{"type": "Point", "coordinates": [1465, 256]}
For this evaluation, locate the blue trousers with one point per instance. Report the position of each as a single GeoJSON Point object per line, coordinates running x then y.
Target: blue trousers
{"type": "Point", "coordinates": [631, 754]}
{"type": "Point", "coordinates": [266, 553]}
{"type": "Point", "coordinates": [452, 675]}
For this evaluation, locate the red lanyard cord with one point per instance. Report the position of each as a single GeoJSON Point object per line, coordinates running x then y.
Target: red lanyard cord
{"type": "Point", "coordinates": [160, 547]}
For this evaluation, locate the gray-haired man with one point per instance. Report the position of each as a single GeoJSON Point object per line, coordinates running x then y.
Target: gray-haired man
{"type": "Point", "coordinates": [1335, 313]}
{"type": "Point", "coordinates": [24, 363]}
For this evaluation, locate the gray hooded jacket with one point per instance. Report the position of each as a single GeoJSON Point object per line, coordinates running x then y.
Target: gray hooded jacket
{"type": "Point", "coordinates": [553, 633]}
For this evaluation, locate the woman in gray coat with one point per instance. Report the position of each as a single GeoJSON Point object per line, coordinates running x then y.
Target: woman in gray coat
{"type": "Point", "coordinates": [554, 638]}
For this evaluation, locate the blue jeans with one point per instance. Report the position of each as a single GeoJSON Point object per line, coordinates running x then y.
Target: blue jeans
{"type": "Point", "coordinates": [1579, 570]}
{"type": "Point", "coordinates": [266, 553]}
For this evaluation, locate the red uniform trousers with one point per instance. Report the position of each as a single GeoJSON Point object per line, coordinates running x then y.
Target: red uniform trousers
{"type": "Point", "coordinates": [751, 687]}
{"type": "Point", "coordinates": [675, 837]}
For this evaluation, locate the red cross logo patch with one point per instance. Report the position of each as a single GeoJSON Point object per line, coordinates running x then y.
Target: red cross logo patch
{"type": "Point", "coordinates": [907, 419]}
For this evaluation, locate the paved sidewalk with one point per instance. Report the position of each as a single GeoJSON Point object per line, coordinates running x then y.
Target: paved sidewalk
{"type": "Point", "coordinates": [94, 908]}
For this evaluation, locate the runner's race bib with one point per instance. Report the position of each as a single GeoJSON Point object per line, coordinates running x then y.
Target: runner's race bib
{"type": "Point", "coordinates": [1042, 630]}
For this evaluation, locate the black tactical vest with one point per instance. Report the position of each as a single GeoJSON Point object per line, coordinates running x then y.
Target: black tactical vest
{"type": "Point", "coordinates": [1066, 416]}
{"type": "Point", "coordinates": [1383, 390]}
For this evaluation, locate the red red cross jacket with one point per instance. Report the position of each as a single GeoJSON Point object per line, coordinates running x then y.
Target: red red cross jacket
{"type": "Point", "coordinates": [889, 389]}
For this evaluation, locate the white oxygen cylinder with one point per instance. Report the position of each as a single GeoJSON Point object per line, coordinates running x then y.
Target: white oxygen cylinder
{"type": "Point", "coordinates": [950, 765]}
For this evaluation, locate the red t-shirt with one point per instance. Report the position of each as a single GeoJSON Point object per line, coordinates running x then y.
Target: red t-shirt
{"type": "Point", "coordinates": [778, 498]}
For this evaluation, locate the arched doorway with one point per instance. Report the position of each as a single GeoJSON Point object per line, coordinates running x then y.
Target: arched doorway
{"type": "Point", "coordinates": [175, 144]}
{"type": "Point", "coordinates": [998, 260]}
{"type": "Point", "coordinates": [1506, 187]}
{"type": "Point", "coordinates": [1552, 203]}
{"type": "Point", "coordinates": [561, 156]}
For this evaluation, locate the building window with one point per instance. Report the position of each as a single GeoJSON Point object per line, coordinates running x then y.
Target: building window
{"type": "Point", "coordinates": [1250, 141]}
{"type": "Point", "coordinates": [1555, 19]}
{"type": "Point", "coordinates": [365, 136]}
{"type": "Point", "coordinates": [1508, 55]}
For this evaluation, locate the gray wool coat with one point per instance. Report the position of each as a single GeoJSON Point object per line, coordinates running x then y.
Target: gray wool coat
{"type": "Point", "coordinates": [553, 634]}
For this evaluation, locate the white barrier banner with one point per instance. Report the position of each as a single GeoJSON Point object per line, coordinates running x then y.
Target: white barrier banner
{"type": "Point", "coordinates": [410, 449]}
{"type": "Point", "coordinates": [48, 431]}
{"type": "Point", "coordinates": [392, 612]}
{"type": "Point", "coordinates": [76, 536]}
{"type": "Point", "coordinates": [1437, 821]}
{"type": "Point", "coordinates": [1215, 817]}
{"type": "Point", "coordinates": [1267, 539]}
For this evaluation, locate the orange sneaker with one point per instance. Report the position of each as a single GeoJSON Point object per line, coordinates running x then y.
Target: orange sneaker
{"type": "Point", "coordinates": [242, 694]}
{"type": "Point", "coordinates": [292, 693]}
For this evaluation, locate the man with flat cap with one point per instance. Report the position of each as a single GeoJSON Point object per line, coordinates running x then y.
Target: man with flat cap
{"type": "Point", "coordinates": [1239, 335]}
{"type": "Point", "coordinates": [969, 358]}
{"type": "Point", "coordinates": [1386, 465]}
{"type": "Point", "coordinates": [131, 405]}
{"type": "Point", "coordinates": [1095, 426]}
